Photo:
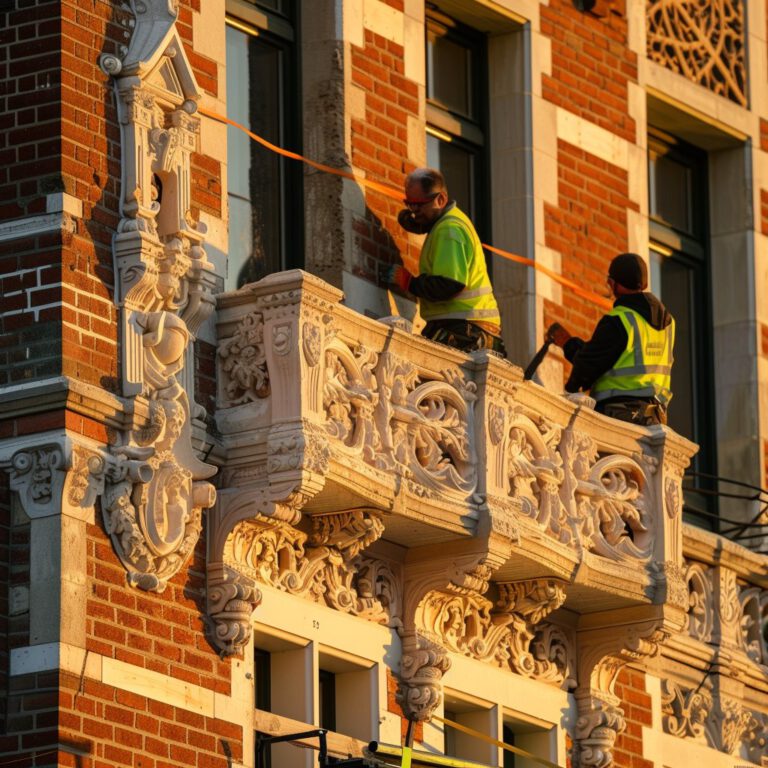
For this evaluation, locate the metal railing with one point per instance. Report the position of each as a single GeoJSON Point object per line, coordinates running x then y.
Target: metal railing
{"type": "Point", "coordinates": [751, 533]}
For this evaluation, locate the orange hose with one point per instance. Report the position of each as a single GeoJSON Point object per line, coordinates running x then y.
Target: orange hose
{"type": "Point", "coordinates": [595, 298]}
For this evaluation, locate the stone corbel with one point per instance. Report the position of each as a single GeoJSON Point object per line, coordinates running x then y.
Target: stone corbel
{"type": "Point", "coordinates": [523, 605]}
{"type": "Point", "coordinates": [232, 599]}
{"type": "Point", "coordinates": [443, 585]}
{"type": "Point", "coordinates": [605, 644]}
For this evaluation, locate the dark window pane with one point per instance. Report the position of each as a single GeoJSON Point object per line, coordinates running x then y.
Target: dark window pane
{"type": "Point", "coordinates": [450, 74]}
{"type": "Point", "coordinates": [327, 700]}
{"type": "Point", "coordinates": [671, 193]}
{"type": "Point", "coordinates": [458, 167]}
{"type": "Point", "coordinates": [255, 175]}
{"type": "Point", "coordinates": [677, 295]}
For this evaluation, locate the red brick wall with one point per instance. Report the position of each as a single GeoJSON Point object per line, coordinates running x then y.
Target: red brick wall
{"type": "Point", "coordinates": [588, 228]}
{"type": "Point", "coordinates": [591, 66]}
{"type": "Point", "coordinates": [636, 703]}
{"type": "Point", "coordinates": [379, 146]}
{"type": "Point", "coordinates": [591, 69]}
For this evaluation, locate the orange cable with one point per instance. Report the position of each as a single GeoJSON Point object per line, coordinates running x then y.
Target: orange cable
{"type": "Point", "coordinates": [385, 189]}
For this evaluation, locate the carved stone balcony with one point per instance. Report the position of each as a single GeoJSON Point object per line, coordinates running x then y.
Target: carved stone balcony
{"type": "Point", "coordinates": [507, 501]}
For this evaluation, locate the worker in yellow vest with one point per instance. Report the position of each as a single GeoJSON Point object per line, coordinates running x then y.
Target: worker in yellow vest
{"type": "Point", "coordinates": [627, 364]}
{"type": "Point", "coordinates": [454, 292]}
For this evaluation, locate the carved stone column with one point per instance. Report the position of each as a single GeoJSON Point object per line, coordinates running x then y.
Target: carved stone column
{"type": "Point", "coordinates": [155, 485]}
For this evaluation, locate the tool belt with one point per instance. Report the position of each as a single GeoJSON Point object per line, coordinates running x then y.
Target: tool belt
{"type": "Point", "coordinates": [644, 411]}
{"type": "Point", "coordinates": [463, 335]}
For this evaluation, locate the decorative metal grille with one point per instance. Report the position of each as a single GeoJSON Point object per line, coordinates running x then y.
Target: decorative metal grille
{"type": "Point", "coordinates": [703, 40]}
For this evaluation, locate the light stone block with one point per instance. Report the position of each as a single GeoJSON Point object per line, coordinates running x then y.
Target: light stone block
{"type": "Point", "coordinates": [637, 230]}
{"type": "Point", "coordinates": [61, 202]}
{"type": "Point", "coordinates": [213, 136]}
{"type": "Point", "coordinates": [591, 138]}
{"type": "Point", "coordinates": [540, 61]}
{"type": "Point", "coordinates": [637, 176]}
{"type": "Point", "coordinates": [414, 64]}
{"type": "Point", "coordinates": [384, 20]}
{"type": "Point", "coordinates": [355, 103]}
{"type": "Point", "coordinates": [352, 21]}
{"type": "Point", "coordinates": [209, 32]}
{"type": "Point", "coordinates": [157, 686]}
{"type": "Point", "coordinates": [417, 140]}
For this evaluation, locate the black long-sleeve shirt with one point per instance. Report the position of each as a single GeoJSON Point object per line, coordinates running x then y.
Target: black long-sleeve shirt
{"type": "Point", "coordinates": [591, 359]}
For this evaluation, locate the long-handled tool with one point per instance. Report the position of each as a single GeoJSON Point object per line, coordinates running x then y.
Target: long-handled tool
{"type": "Point", "coordinates": [549, 338]}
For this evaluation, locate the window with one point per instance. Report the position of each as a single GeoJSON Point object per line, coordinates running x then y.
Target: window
{"type": "Point", "coordinates": [457, 112]}
{"type": "Point", "coordinates": [326, 698]}
{"type": "Point", "coordinates": [262, 95]}
{"type": "Point", "coordinates": [680, 276]}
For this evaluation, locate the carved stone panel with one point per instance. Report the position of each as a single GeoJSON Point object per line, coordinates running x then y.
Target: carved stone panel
{"type": "Point", "coordinates": [702, 40]}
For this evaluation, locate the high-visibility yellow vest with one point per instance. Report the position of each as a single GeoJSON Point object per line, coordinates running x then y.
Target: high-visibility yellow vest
{"type": "Point", "coordinates": [644, 368]}
{"type": "Point", "coordinates": [453, 249]}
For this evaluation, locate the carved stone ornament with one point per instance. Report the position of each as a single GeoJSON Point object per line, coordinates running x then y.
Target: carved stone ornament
{"type": "Point", "coordinates": [703, 40]}
{"type": "Point", "coordinates": [60, 476]}
{"type": "Point", "coordinates": [701, 602]}
{"type": "Point", "coordinates": [232, 599]}
{"type": "Point", "coordinates": [685, 712]}
{"type": "Point", "coordinates": [155, 485]}
{"type": "Point", "coordinates": [422, 665]}
{"type": "Point", "coordinates": [601, 654]}
{"type": "Point", "coordinates": [245, 376]}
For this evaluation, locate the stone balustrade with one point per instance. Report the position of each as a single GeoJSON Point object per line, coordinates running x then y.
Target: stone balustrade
{"type": "Point", "coordinates": [323, 411]}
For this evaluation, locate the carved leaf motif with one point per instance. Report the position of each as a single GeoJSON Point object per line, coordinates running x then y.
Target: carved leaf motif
{"type": "Point", "coordinates": [244, 362]}
{"type": "Point", "coordinates": [701, 602]}
{"type": "Point", "coordinates": [685, 711]}
{"type": "Point", "coordinates": [535, 472]}
{"type": "Point", "coordinates": [612, 514]}
{"type": "Point", "coordinates": [754, 623]}
{"type": "Point", "coordinates": [703, 40]}
{"type": "Point", "coordinates": [349, 397]}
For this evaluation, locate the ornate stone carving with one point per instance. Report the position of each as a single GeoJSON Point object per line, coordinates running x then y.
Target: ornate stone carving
{"type": "Point", "coordinates": [38, 476]}
{"type": "Point", "coordinates": [595, 734]}
{"type": "Point", "coordinates": [422, 665]}
{"type": "Point", "coordinates": [244, 364]}
{"type": "Point", "coordinates": [701, 604]}
{"type": "Point", "coordinates": [729, 724]}
{"type": "Point", "coordinates": [232, 598]}
{"type": "Point", "coordinates": [602, 652]}
{"type": "Point", "coordinates": [611, 513]}
{"type": "Point", "coordinates": [685, 712]}
{"type": "Point", "coordinates": [703, 40]}
{"type": "Point", "coordinates": [754, 623]}
{"type": "Point", "coordinates": [155, 485]}
{"type": "Point", "coordinates": [535, 472]}
{"type": "Point", "coordinates": [324, 566]}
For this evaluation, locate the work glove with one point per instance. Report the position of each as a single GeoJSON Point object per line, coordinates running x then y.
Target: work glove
{"type": "Point", "coordinates": [557, 335]}
{"type": "Point", "coordinates": [394, 274]}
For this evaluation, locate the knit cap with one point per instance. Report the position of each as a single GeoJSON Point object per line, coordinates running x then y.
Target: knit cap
{"type": "Point", "coordinates": [629, 270]}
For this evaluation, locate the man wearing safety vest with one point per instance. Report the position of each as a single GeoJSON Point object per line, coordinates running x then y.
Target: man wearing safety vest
{"type": "Point", "coordinates": [453, 288]}
{"type": "Point", "coordinates": [627, 364]}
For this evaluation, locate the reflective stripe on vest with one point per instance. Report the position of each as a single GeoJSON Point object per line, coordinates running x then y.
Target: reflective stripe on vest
{"type": "Point", "coordinates": [453, 249]}
{"type": "Point", "coordinates": [634, 375]}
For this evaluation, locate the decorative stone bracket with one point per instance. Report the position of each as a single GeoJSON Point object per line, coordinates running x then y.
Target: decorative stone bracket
{"type": "Point", "coordinates": [155, 486]}
{"type": "Point", "coordinates": [442, 600]}
{"type": "Point", "coordinates": [605, 644]}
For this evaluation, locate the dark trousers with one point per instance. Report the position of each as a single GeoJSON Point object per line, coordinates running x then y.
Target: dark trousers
{"type": "Point", "coordinates": [463, 335]}
{"type": "Point", "coordinates": [637, 410]}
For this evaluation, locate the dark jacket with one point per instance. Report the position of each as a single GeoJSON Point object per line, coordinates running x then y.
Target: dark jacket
{"type": "Point", "coordinates": [591, 359]}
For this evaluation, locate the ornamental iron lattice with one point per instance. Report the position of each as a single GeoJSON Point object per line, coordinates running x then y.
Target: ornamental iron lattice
{"type": "Point", "coordinates": [703, 40]}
